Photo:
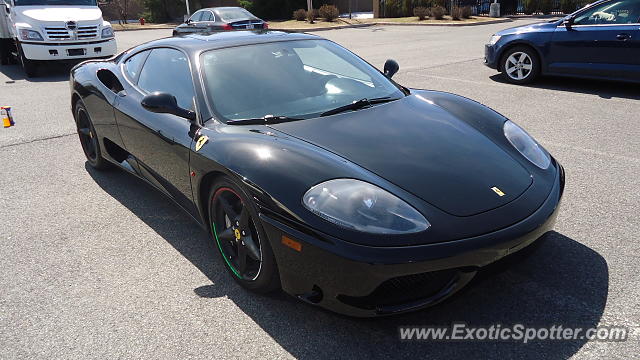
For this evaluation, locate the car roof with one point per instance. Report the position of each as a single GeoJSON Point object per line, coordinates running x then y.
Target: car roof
{"type": "Point", "coordinates": [222, 39]}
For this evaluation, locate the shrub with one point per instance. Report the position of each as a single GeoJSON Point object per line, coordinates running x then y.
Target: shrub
{"type": "Point", "coordinates": [328, 12]}
{"type": "Point", "coordinates": [438, 12]}
{"type": "Point", "coordinates": [466, 12]}
{"type": "Point", "coordinates": [456, 13]}
{"type": "Point", "coordinates": [247, 4]}
{"type": "Point", "coordinates": [546, 6]}
{"type": "Point", "coordinates": [300, 14]}
{"type": "Point", "coordinates": [567, 6]}
{"type": "Point", "coordinates": [530, 6]}
{"type": "Point", "coordinates": [421, 12]}
{"type": "Point", "coordinates": [312, 15]}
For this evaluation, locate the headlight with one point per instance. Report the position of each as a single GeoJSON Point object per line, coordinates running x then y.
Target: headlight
{"type": "Point", "coordinates": [527, 146]}
{"type": "Point", "coordinates": [494, 39]}
{"type": "Point", "coordinates": [361, 206]}
{"type": "Point", "coordinates": [30, 35]}
{"type": "Point", "coordinates": [107, 32]}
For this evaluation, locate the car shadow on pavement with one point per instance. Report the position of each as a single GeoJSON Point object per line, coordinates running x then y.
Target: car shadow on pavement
{"type": "Point", "coordinates": [559, 281]}
{"type": "Point", "coordinates": [602, 88]}
{"type": "Point", "coordinates": [46, 73]}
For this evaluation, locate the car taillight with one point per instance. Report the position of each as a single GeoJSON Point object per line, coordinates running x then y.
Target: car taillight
{"type": "Point", "coordinates": [227, 27]}
{"type": "Point", "coordinates": [265, 25]}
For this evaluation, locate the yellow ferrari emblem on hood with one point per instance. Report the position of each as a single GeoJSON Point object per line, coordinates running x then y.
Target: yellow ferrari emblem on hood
{"type": "Point", "coordinates": [498, 191]}
{"type": "Point", "coordinates": [201, 141]}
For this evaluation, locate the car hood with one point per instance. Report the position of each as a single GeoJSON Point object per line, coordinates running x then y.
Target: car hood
{"type": "Point", "coordinates": [59, 13]}
{"type": "Point", "coordinates": [423, 149]}
{"type": "Point", "coordinates": [537, 27]}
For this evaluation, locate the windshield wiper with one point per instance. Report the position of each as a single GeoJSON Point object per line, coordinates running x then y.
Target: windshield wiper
{"type": "Point", "coordinates": [267, 119]}
{"type": "Point", "coordinates": [358, 104]}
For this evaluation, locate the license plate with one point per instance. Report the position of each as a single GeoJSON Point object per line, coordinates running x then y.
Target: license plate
{"type": "Point", "coordinates": [250, 26]}
{"type": "Point", "coordinates": [75, 52]}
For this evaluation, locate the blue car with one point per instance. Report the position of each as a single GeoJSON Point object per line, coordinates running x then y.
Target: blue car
{"type": "Point", "coordinates": [601, 40]}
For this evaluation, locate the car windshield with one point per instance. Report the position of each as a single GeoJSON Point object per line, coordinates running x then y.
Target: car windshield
{"type": "Point", "coordinates": [231, 14]}
{"type": "Point", "coordinates": [297, 79]}
{"type": "Point", "coordinates": [56, 2]}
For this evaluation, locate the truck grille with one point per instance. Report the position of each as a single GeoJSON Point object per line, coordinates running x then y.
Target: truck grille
{"type": "Point", "coordinates": [81, 33]}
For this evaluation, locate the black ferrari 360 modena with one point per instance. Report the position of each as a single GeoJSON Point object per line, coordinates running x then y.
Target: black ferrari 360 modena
{"type": "Point", "coordinates": [316, 173]}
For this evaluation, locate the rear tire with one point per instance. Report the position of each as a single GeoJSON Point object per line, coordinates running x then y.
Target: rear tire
{"type": "Point", "coordinates": [30, 67]}
{"type": "Point", "coordinates": [520, 65]}
{"type": "Point", "coordinates": [89, 138]}
{"type": "Point", "coordinates": [240, 239]}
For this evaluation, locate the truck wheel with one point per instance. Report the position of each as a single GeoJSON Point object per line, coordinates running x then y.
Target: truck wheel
{"type": "Point", "coordinates": [29, 66]}
{"type": "Point", "coordinates": [4, 52]}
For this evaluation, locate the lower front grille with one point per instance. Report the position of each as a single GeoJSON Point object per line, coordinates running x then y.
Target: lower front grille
{"type": "Point", "coordinates": [403, 289]}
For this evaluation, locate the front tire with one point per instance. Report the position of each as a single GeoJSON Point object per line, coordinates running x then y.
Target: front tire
{"type": "Point", "coordinates": [520, 65]}
{"type": "Point", "coordinates": [88, 137]}
{"type": "Point", "coordinates": [240, 239]}
{"type": "Point", "coordinates": [30, 67]}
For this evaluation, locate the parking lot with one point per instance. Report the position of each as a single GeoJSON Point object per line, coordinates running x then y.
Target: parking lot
{"type": "Point", "coordinates": [99, 265]}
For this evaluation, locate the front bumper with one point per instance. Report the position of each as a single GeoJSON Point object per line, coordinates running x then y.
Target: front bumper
{"type": "Point", "coordinates": [367, 281]}
{"type": "Point", "coordinates": [76, 50]}
{"type": "Point", "coordinates": [490, 56]}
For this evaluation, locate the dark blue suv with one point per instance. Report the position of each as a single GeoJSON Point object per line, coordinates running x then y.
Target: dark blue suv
{"type": "Point", "coordinates": [601, 40]}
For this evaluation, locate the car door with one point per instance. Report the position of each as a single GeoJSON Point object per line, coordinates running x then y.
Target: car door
{"type": "Point", "coordinates": [207, 21]}
{"type": "Point", "coordinates": [160, 142]}
{"type": "Point", "coordinates": [194, 24]}
{"type": "Point", "coordinates": [604, 40]}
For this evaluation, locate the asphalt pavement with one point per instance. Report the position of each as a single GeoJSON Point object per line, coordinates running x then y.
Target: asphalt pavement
{"type": "Point", "coordinates": [99, 265]}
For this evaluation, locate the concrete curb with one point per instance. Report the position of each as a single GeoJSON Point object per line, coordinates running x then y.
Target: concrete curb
{"type": "Point", "coordinates": [324, 28]}
{"type": "Point", "coordinates": [488, 22]}
{"type": "Point", "coordinates": [384, 23]}
{"type": "Point", "coordinates": [149, 28]}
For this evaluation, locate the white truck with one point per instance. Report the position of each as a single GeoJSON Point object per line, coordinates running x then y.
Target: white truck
{"type": "Point", "coordinates": [35, 31]}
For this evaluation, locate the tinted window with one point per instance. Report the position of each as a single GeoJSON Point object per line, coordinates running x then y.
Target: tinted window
{"type": "Point", "coordinates": [208, 16]}
{"type": "Point", "coordinates": [291, 78]}
{"type": "Point", "coordinates": [196, 17]}
{"type": "Point", "coordinates": [167, 70]}
{"type": "Point", "coordinates": [613, 12]}
{"type": "Point", "coordinates": [133, 64]}
{"type": "Point", "coordinates": [231, 14]}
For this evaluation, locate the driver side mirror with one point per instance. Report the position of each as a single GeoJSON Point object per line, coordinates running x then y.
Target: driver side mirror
{"type": "Point", "coordinates": [163, 103]}
{"type": "Point", "coordinates": [568, 22]}
{"type": "Point", "coordinates": [391, 67]}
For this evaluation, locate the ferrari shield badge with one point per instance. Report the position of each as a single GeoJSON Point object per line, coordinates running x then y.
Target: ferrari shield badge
{"type": "Point", "coordinates": [201, 141]}
{"type": "Point", "coordinates": [498, 191]}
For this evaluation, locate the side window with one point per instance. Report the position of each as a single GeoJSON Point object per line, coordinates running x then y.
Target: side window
{"type": "Point", "coordinates": [133, 64]}
{"type": "Point", "coordinates": [611, 13]}
{"type": "Point", "coordinates": [167, 70]}
{"type": "Point", "coordinates": [196, 17]}
{"type": "Point", "coordinates": [208, 16]}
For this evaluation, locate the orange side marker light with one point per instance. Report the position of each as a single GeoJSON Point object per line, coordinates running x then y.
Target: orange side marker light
{"type": "Point", "coordinates": [295, 245]}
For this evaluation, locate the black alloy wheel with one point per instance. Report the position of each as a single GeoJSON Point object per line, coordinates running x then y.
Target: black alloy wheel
{"type": "Point", "coordinates": [242, 244]}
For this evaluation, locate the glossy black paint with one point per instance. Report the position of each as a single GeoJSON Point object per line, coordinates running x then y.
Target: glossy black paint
{"type": "Point", "coordinates": [212, 21]}
{"type": "Point", "coordinates": [590, 51]}
{"type": "Point", "coordinates": [439, 152]}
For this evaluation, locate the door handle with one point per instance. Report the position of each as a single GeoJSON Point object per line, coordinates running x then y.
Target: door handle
{"type": "Point", "coordinates": [623, 37]}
